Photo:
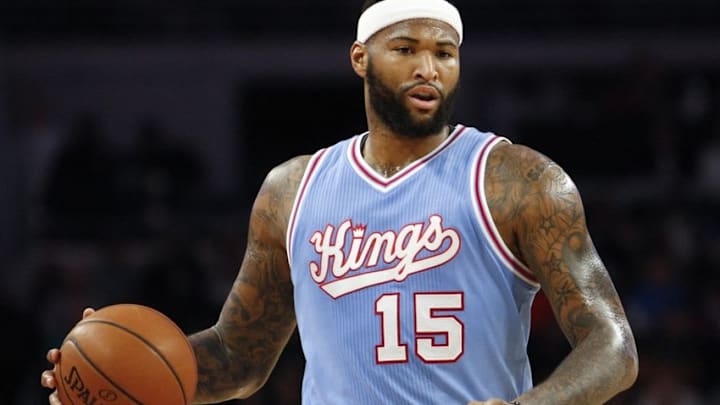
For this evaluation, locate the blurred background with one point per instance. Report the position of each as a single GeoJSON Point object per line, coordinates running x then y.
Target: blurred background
{"type": "Point", "coordinates": [134, 135]}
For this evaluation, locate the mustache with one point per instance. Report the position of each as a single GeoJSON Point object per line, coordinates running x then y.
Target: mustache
{"type": "Point", "coordinates": [409, 86]}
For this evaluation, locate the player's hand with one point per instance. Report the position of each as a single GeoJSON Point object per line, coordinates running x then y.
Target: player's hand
{"type": "Point", "coordinates": [491, 401]}
{"type": "Point", "coordinates": [47, 378]}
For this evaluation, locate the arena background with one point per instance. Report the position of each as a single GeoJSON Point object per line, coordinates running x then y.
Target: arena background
{"type": "Point", "coordinates": [133, 135]}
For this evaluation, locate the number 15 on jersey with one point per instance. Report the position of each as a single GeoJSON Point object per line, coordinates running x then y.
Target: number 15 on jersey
{"type": "Point", "coordinates": [434, 319]}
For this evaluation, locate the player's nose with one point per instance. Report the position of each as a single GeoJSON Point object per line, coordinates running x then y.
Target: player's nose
{"type": "Point", "coordinates": [426, 68]}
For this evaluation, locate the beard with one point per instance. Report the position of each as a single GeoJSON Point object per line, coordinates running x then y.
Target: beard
{"type": "Point", "coordinates": [390, 107]}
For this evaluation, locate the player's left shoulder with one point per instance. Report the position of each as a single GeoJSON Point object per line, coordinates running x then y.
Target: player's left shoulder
{"type": "Point", "coordinates": [527, 167]}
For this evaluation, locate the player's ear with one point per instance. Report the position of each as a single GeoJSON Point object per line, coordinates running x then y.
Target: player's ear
{"type": "Point", "coordinates": [359, 58]}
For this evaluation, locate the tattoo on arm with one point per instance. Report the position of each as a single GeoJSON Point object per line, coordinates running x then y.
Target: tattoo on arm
{"type": "Point", "coordinates": [540, 214]}
{"type": "Point", "coordinates": [236, 355]}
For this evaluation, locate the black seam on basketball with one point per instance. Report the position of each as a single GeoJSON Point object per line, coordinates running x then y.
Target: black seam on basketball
{"type": "Point", "coordinates": [150, 345]}
{"type": "Point", "coordinates": [174, 325]}
{"type": "Point", "coordinates": [187, 341]}
{"type": "Point", "coordinates": [62, 383]}
{"type": "Point", "coordinates": [87, 358]}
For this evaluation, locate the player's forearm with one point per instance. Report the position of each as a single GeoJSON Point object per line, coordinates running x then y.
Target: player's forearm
{"type": "Point", "coordinates": [601, 366]}
{"type": "Point", "coordinates": [219, 376]}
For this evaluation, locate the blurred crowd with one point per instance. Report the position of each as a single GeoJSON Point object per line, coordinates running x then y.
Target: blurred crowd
{"type": "Point", "coordinates": [98, 225]}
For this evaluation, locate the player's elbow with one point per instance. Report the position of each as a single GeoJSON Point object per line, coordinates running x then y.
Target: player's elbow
{"type": "Point", "coordinates": [633, 368]}
{"type": "Point", "coordinates": [237, 387]}
{"type": "Point", "coordinates": [250, 385]}
{"type": "Point", "coordinates": [629, 362]}
{"type": "Point", "coordinates": [223, 373]}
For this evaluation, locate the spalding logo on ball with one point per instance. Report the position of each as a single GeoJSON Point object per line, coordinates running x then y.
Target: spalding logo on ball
{"type": "Point", "coordinates": [126, 354]}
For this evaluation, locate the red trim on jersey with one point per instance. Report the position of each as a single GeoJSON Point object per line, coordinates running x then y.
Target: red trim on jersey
{"type": "Point", "coordinates": [376, 178]}
{"type": "Point", "coordinates": [301, 193]}
{"type": "Point", "coordinates": [487, 219]}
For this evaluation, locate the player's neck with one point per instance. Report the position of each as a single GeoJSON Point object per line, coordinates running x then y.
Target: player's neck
{"type": "Point", "coordinates": [388, 152]}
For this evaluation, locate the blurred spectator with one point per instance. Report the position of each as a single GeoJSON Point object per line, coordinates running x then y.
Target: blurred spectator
{"type": "Point", "coordinates": [21, 336]}
{"type": "Point", "coordinates": [80, 184]}
{"type": "Point", "coordinates": [172, 281]}
{"type": "Point", "coordinates": [162, 170]}
{"type": "Point", "coordinates": [708, 163]}
{"type": "Point", "coordinates": [40, 141]}
{"type": "Point", "coordinates": [666, 381]}
{"type": "Point", "coordinates": [660, 294]}
{"type": "Point", "coordinates": [631, 109]}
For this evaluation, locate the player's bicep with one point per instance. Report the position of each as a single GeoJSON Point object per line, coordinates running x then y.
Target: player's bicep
{"type": "Point", "coordinates": [259, 312]}
{"type": "Point", "coordinates": [556, 245]}
{"type": "Point", "coordinates": [259, 309]}
{"type": "Point", "coordinates": [258, 315]}
{"type": "Point", "coordinates": [236, 355]}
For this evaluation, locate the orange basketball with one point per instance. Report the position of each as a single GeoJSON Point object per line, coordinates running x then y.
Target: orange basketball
{"type": "Point", "coordinates": [126, 354]}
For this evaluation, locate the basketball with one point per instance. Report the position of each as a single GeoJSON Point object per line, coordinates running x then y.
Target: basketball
{"type": "Point", "coordinates": [126, 354]}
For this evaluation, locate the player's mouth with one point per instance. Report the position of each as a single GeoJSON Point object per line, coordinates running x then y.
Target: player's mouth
{"type": "Point", "coordinates": [424, 97]}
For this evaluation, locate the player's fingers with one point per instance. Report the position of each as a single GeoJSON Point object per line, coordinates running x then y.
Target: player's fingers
{"type": "Point", "coordinates": [53, 356]}
{"type": "Point", "coordinates": [53, 399]}
{"type": "Point", "coordinates": [87, 312]}
{"type": "Point", "coordinates": [47, 379]}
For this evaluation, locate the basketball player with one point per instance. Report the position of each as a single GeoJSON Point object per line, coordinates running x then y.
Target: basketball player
{"type": "Point", "coordinates": [409, 256]}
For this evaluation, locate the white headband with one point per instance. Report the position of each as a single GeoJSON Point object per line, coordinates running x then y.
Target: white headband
{"type": "Point", "coordinates": [388, 12]}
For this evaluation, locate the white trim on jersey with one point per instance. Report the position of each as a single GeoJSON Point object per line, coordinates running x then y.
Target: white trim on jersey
{"type": "Point", "coordinates": [382, 184]}
{"type": "Point", "coordinates": [487, 224]}
{"type": "Point", "coordinates": [307, 178]}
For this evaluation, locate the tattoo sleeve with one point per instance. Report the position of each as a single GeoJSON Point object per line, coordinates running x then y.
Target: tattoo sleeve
{"type": "Point", "coordinates": [236, 355]}
{"type": "Point", "coordinates": [540, 210]}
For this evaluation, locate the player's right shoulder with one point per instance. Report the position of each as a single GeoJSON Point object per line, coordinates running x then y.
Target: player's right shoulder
{"type": "Point", "coordinates": [275, 199]}
{"type": "Point", "coordinates": [287, 175]}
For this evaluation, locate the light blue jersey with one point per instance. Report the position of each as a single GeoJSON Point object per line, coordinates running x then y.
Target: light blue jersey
{"type": "Point", "coordinates": [404, 290]}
